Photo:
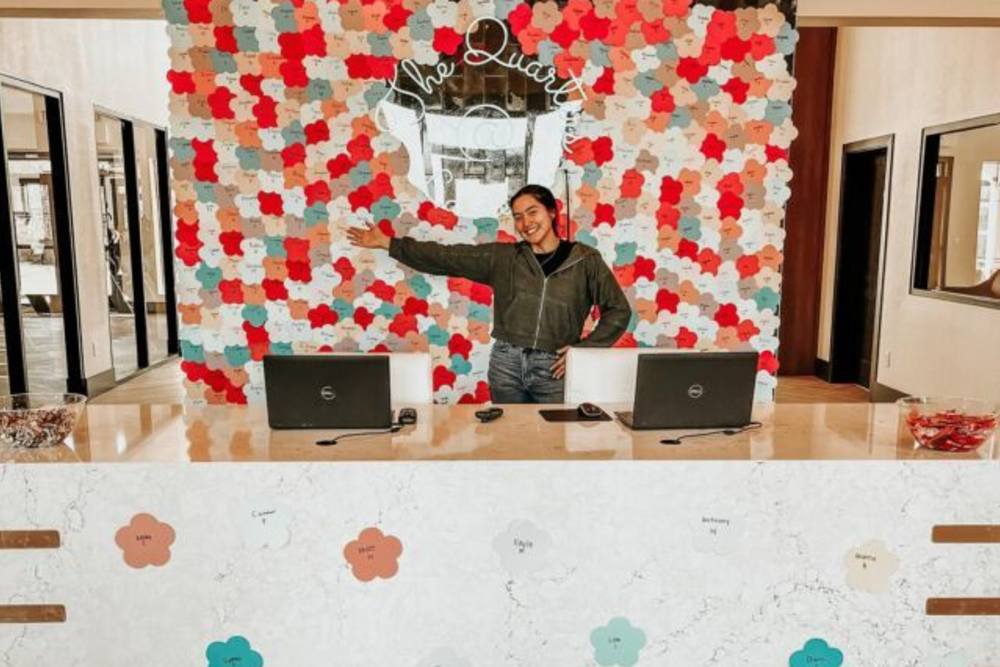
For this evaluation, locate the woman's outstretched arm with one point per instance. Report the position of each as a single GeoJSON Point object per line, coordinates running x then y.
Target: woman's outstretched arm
{"type": "Point", "coordinates": [463, 260]}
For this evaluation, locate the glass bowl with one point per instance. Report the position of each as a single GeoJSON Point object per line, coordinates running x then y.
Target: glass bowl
{"type": "Point", "coordinates": [948, 424]}
{"type": "Point", "coordinates": [38, 420]}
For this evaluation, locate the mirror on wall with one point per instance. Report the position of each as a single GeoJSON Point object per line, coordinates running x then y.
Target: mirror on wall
{"type": "Point", "coordinates": [958, 235]}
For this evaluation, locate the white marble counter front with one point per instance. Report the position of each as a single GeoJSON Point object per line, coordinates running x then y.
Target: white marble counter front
{"type": "Point", "coordinates": [492, 563]}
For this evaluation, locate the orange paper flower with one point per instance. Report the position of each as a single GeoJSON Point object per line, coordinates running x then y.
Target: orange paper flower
{"type": "Point", "coordinates": [373, 555]}
{"type": "Point", "coordinates": [145, 541]}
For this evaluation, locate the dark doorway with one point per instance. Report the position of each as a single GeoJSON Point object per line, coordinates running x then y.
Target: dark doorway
{"type": "Point", "coordinates": [857, 303]}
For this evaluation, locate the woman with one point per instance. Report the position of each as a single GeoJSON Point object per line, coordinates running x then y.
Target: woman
{"type": "Point", "coordinates": [543, 291]}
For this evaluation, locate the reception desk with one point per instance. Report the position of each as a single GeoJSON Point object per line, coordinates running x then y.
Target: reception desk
{"type": "Point", "coordinates": [181, 433]}
{"type": "Point", "coordinates": [820, 539]}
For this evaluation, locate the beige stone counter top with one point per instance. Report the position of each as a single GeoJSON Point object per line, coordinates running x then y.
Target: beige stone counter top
{"type": "Point", "coordinates": [182, 433]}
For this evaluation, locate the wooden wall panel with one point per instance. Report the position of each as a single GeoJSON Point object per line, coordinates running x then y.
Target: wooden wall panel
{"type": "Point", "coordinates": [805, 221]}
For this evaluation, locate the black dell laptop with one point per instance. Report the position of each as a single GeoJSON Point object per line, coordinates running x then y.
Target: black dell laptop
{"type": "Point", "coordinates": [693, 390]}
{"type": "Point", "coordinates": [327, 391]}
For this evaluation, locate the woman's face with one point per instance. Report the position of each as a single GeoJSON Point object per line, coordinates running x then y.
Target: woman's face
{"type": "Point", "coordinates": [531, 219]}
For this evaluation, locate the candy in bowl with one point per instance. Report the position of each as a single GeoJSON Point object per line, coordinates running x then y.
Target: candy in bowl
{"type": "Point", "coordinates": [948, 424]}
{"type": "Point", "coordinates": [38, 420]}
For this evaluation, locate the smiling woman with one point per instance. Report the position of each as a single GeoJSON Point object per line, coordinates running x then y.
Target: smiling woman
{"type": "Point", "coordinates": [544, 289]}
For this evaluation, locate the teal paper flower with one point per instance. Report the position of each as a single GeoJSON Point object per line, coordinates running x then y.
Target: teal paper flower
{"type": "Point", "coordinates": [617, 643]}
{"type": "Point", "coordinates": [234, 653]}
{"type": "Point", "coordinates": [816, 653]}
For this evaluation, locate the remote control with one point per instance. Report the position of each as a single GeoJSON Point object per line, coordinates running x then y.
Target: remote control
{"type": "Point", "coordinates": [489, 414]}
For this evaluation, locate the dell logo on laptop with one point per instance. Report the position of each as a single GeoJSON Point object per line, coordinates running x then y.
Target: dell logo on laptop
{"type": "Point", "coordinates": [696, 391]}
{"type": "Point", "coordinates": [327, 393]}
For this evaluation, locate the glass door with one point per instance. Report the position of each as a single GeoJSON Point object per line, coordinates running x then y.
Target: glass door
{"type": "Point", "coordinates": [120, 286]}
{"type": "Point", "coordinates": [153, 273]}
{"type": "Point", "coordinates": [36, 262]}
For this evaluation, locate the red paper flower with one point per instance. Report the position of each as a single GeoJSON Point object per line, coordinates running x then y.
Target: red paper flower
{"type": "Point", "coordinates": [662, 101]}
{"type": "Point", "coordinates": [645, 267]}
{"type": "Point", "coordinates": [519, 18]}
{"type": "Point", "coordinates": [270, 203]}
{"type": "Point", "coordinates": [360, 148]}
{"type": "Point", "coordinates": [671, 190]}
{"type": "Point", "coordinates": [363, 317]}
{"type": "Point", "coordinates": [345, 268]}
{"type": "Point", "coordinates": [459, 344]}
{"type": "Point", "coordinates": [691, 69]}
{"type": "Point", "coordinates": [775, 153]}
{"type": "Point", "coordinates": [317, 191]}
{"type": "Point", "coordinates": [266, 112]}
{"type": "Point", "coordinates": [360, 198]}
{"type": "Point", "coordinates": [396, 17]}
{"type": "Point", "coordinates": [293, 155]}
{"type": "Point", "coordinates": [443, 377]}
{"type": "Point", "coordinates": [447, 41]}
{"type": "Point", "coordinates": [293, 73]}
{"type": "Point", "coordinates": [713, 147]}
{"type": "Point", "coordinates": [382, 290]}
{"type": "Point", "coordinates": [564, 35]}
{"type": "Point", "coordinates": [727, 316]}
{"type": "Point", "coordinates": [181, 83]}
{"type": "Point", "coordinates": [317, 131]}
{"type": "Point", "coordinates": [667, 300]}
{"type": "Point", "coordinates": [231, 291]}
{"type": "Point", "coordinates": [603, 150]}
{"type": "Point", "coordinates": [594, 28]}
{"type": "Point", "coordinates": [737, 89]}
{"type": "Point", "coordinates": [322, 315]}
{"type": "Point", "coordinates": [232, 243]}
{"type": "Point", "coordinates": [415, 306]}
{"type": "Point", "coordinates": [339, 165]}
{"type": "Point", "coordinates": [686, 339]}
{"type": "Point", "coordinates": [748, 265]}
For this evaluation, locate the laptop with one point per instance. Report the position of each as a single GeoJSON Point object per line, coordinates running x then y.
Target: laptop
{"type": "Point", "coordinates": [327, 391]}
{"type": "Point", "coordinates": [693, 390]}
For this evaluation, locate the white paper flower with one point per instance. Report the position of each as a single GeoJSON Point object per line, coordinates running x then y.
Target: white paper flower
{"type": "Point", "coordinates": [717, 533]}
{"type": "Point", "coordinates": [522, 547]}
{"type": "Point", "coordinates": [870, 566]}
{"type": "Point", "coordinates": [265, 523]}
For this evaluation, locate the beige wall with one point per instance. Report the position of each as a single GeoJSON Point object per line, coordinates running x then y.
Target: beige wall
{"type": "Point", "coordinates": [119, 65]}
{"type": "Point", "coordinates": [899, 81]}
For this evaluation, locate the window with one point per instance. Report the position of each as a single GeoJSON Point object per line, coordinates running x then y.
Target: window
{"type": "Point", "coordinates": [957, 254]}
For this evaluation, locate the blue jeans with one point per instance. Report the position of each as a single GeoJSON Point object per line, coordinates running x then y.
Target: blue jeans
{"type": "Point", "coordinates": [522, 375]}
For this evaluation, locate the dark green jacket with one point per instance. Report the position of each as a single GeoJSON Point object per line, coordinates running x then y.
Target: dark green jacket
{"type": "Point", "coordinates": [530, 309]}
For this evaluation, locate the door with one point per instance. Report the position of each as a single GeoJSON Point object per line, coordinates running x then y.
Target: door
{"type": "Point", "coordinates": [860, 264]}
{"type": "Point", "coordinates": [41, 332]}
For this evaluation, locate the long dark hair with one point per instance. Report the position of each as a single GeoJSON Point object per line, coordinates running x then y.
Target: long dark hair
{"type": "Point", "coordinates": [544, 197]}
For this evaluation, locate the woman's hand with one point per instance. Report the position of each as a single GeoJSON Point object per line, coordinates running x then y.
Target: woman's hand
{"type": "Point", "coordinates": [559, 367]}
{"type": "Point", "coordinates": [370, 237]}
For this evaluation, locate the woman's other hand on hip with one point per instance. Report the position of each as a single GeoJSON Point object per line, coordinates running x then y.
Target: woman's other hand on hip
{"type": "Point", "coordinates": [559, 367]}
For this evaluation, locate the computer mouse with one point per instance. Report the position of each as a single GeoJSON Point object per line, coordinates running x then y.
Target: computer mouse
{"type": "Point", "coordinates": [589, 410]}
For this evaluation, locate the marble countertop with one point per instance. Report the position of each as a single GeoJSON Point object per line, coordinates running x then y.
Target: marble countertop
{"type": "Point", "coordinates": [186, 433]}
